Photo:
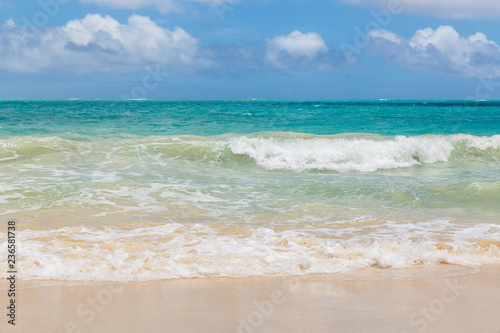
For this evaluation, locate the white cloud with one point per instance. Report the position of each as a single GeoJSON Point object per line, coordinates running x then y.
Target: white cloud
{"type": "Point", "coordinates": [164, 6]}
{"type": "Point", "coordinates": [441, 50]}
{"type": "Point", "coordinates": [386, 35]}
{"type": "Point", "coordinates": [296, 45]}
{"type": "Point", "coordinates": [456, 9]}
{"type": "Point", "coordinates": [96, 44]}
{"type": "Point", "coordinates": [101, 44]}
{"type": "Point", "coordinates": [9, 24]}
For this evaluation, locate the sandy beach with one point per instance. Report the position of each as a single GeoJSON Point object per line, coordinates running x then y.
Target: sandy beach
{"type": "Point", "coordinates": [442, 298]}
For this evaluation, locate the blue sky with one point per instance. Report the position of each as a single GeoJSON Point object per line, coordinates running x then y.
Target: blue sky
{"type": "Point", "coordinates": [283, 49]}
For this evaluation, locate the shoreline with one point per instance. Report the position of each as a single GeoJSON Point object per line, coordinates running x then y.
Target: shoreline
{"type": "Point", "coordinates": [442, 298]}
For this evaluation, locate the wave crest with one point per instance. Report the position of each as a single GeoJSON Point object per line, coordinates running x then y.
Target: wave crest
{"type": "Point", "coordinates": [270, 151]}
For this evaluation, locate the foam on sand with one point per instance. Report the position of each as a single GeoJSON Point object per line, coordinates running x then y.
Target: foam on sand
{"type": "Point", "coordinates": [173, 250]}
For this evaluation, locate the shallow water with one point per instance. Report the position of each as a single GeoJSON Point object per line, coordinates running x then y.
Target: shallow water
{"type": "Point", "coordinates": [144, 190]}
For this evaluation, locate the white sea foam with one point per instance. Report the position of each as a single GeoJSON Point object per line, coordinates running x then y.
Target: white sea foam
{"type": "Point", "coordinates": [151, 252]}
{"type": "Point", "coordinates": [271, 151]}
{"type": "Point", "coordinates": [270, 223]}
{"type": "Point", "coordinates": [355, 154]}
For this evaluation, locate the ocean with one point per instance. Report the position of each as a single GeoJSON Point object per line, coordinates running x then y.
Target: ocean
{"type": "Point", "coordinates": [119, 190]}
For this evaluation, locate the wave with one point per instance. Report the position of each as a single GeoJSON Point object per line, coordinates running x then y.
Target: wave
{"type": "Point", "coordinates": [268, 151]}
{"type": "Point", "coordinates": [363, 154]}
{"type": "Point", "coordinates": [172, 250]}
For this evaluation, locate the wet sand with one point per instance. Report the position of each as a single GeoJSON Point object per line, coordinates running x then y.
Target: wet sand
{"type": "Point", "coordinates": [443, 298]}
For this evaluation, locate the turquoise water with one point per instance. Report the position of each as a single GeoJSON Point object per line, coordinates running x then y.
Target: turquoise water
{"type": "Point", "coordinates": [218, 117]}
{"type": "Point", "coordinates": [241, 188]}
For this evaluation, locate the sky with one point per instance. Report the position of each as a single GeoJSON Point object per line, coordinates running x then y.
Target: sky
{"type": "Point", "coordinates": [242, 49]}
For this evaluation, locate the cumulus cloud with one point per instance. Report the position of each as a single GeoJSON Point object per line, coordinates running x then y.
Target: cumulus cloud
{"type": "Point", "coordinates": [455, 9]}
{"type": "Point", "coordinates": [442, 50]}
{"type": "Point", "coordinates": [101, 44]}
{"type": "Point", "coordinates": [96, 44]}
{"type": "Point", "coordinates": [297, 49]}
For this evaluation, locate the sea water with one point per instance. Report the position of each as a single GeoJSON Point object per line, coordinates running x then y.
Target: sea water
{"type": "Point", "coordinates": [145, 190]}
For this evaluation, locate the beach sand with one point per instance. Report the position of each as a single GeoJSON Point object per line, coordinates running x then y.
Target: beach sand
{"type": "Point", "coordinates": [444, 298]}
